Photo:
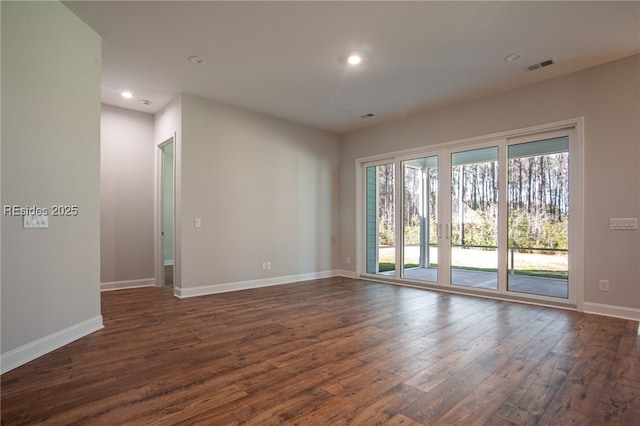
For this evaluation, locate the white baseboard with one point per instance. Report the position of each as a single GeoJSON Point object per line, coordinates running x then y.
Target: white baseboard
{"type": "Point", "coordinates": [246, 285]}
{"type": "Point", "coordinates": [346, 274]}
{"type": "Point", "coordinates": [25, 353]}
{"type": "Point", "coordinates": [612, 311]}
{"type": "Point", "coordinates": [119, 285]}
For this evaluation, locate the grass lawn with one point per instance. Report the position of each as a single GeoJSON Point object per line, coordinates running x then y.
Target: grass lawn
{"type": "Point", "coordinates": [531, 264]}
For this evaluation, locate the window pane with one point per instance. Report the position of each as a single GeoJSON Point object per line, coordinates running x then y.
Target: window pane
{"type": "Point", "coordinates": [539, 217]}
{"type": "Point", "coordinates": [420, 218]}
{"type": "Point", "coordinates": [380, 219]}
{"type": "Point", "coordinates": [474, 218]}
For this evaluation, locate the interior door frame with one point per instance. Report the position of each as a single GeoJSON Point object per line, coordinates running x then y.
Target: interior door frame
{"type": "Point", "coordinates": [160, 210]}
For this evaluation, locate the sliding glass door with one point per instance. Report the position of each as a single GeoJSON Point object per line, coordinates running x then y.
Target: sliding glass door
{"type": "Point", "coordinates": [491, 216]}
{"type": "Point", "coordinates": [380, 219]}
{"type": "Point", "coordinates": [420, 219]}
{"type": "Point", "coordinates": [538, 202]}
{"type": "Point", "coordinates": [474, 218]}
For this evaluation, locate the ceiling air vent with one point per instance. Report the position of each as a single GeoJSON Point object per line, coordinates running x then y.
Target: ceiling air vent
{"type": "Point", "coordinates": [541, 64]}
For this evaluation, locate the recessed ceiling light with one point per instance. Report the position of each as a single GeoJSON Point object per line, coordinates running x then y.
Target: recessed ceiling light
{"type": "Point", "coordinates": [198, 60]}
{"type": "Point", "coordinates": [127, 95]}
{"type": "Point", "coordinates": [354, 59]}
{"type": "Point", "coordinates": [513, 57]}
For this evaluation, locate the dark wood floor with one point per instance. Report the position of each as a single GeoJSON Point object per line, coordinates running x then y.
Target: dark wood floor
{"type": "Point", "coordinates": [332, 352]}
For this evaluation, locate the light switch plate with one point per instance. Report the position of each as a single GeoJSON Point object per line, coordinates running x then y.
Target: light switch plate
{"type": "Point", "coordinates": [623, 223]}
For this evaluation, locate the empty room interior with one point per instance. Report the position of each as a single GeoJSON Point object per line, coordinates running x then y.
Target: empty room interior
{"type": "Point", "coordinates": [320, 213]}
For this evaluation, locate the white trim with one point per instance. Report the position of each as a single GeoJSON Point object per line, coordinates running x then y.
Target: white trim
{"type": "Point", "coordinates": [576, 221]}
{"type": "Point", "coordinates": [346, 274]}
{"type": "Point", "coordinates": [493, 137]}
{"type": "Point", "coordinates": [623, 312]}
{"type": "Point", "coordinates": [119, 285]}
{"type": "Point", "coordinates": [246, 285]}
{"type": "Point", "coordinates": [360, 222]}
{"type": "Point", "coordinates": [159, 262]}
{"type": "Point", "coordinates": [25, 353]}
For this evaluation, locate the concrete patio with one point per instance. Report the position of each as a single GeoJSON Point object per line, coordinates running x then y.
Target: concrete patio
{"type": "Point", "coordinates": [551, 287]}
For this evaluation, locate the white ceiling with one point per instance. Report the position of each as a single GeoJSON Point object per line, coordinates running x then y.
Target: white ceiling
{"type": "Point", "coordinates": [282, 58]}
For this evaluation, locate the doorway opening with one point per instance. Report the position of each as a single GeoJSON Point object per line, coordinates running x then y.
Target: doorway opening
{"type": "Point", "coordinates": [167, 212]}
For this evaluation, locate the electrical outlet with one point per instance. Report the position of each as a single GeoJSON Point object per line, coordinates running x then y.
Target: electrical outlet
{"type": "Point", "coordinates": [348, 260]}
{"type": "Point", "coordinates": [35, 221]}
{"type": "Point", "coordinates": [603, 285]}
{"type": "Point", "coordinates": [268, 262]}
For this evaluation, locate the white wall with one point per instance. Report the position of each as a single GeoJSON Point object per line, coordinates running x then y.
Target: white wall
{"type": "Point", "coordinates": [265, 189]}
{"type": "Point", "coordinates": [127, 182]}
{"type": "Point", "coordinates": [50, 156]}
{"type": "Point", "coordinates": [608, 97]}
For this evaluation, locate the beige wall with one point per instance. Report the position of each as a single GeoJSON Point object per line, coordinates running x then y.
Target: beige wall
{"type": "Point", "coordinates": [50, 156]}
{"type": "Point", "coordinates": [127, 208]}
{"type": "Point", "coordinates": [607, 96]}
{"type": "Point", "coordinates": [265, 189]}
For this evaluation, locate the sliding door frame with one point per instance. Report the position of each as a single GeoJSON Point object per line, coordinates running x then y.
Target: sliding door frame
{"type": "Point", "coordinates": [573, 128]}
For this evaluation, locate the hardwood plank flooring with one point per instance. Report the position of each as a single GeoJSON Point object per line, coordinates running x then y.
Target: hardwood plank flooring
{"type": "Point", "coordinates": [333, 352]}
